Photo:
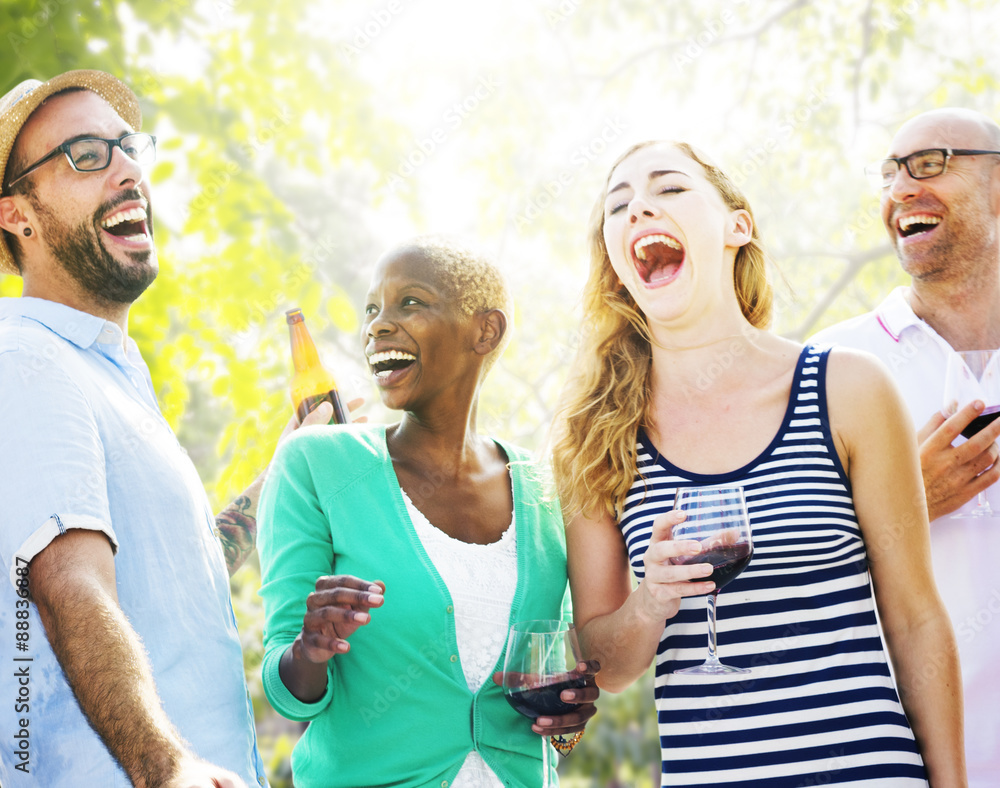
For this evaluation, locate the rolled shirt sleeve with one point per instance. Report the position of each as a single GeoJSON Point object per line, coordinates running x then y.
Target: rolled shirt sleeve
{"type": "Point", "coordinates": [52, 466]}
{"type": "Point", "coordinates": [83, 444]}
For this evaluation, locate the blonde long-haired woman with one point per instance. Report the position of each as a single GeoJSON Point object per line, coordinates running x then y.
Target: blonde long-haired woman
{"type": "Point", "coordinates": [678, 383]}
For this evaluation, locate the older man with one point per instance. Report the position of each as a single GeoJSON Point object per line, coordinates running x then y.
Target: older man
{"type": "Point", "coordinates": [940, 187]}
{"type": "Point", "coordinates": [124, 662]}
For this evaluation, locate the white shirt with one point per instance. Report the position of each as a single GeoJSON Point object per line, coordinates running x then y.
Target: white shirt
{"type": "Point", "coordinates": [965, 551]}
{"type": "Point", "coordinates": [481, 579]}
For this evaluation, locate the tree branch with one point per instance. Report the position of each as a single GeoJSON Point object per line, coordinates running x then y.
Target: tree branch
{"type": "Point", "coordinates": [866, 38]}
{"type": "Point", "coordinates": [855, 262]}
{"type": "Point", "coordinates": [753, 32]}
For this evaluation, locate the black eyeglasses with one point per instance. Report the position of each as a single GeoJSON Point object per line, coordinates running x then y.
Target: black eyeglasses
{"type": "Point", "coordinates": [91, 154]}
{"type": "Point", "coordinates": [921, 165]}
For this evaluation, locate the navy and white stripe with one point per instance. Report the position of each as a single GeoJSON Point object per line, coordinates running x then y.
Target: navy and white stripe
{"type": "Point", "coordinates": [819, 706]}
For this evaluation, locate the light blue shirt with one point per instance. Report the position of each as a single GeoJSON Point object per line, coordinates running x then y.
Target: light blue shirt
{"type": "Point", "coordinates": [83, 445]}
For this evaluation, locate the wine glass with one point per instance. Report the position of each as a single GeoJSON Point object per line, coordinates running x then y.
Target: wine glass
{"type": "Point", "coordinates": [971, 375]}
{"type": "Point", "coordinates": [542, 660]}
{"type": "Point", "coordinates": [716, 517]}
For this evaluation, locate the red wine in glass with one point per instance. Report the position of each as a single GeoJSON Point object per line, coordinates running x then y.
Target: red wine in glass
{"type": "Point", "coordinates": [541, 660]}
{"type": "Point", "coordinates": [727, 560]}
{"type": "Point", "coordinates": [716, 517]}
{"type": "Point", "coordinates": [543, 700]}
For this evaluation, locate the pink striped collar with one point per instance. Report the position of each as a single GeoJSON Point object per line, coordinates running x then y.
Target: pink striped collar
{"type": "Point", "coordinates": [894, 314]}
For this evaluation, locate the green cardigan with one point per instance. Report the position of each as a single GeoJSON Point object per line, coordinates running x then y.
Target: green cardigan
{"type": "Point", "coordinates": [397, 709]}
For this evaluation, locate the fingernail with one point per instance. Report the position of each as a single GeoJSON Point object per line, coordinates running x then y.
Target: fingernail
{"type": "Point", "coordinates": [362, 618]}
{"type": "Point", "coordinates": [568, 695]}
{"type": "Point", "coordinates": [543, 721]}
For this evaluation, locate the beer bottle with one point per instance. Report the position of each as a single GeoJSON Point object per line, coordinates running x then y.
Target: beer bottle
{"type": "Point", "coordinates": [312, 383]}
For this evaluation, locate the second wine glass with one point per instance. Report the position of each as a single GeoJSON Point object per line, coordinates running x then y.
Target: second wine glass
{"type": "Point", "coordinates": [972, 375]}
{"type": "Point", "coordinates": [716, 517]}
{"type": "Point", "coordinates": [542, 660]}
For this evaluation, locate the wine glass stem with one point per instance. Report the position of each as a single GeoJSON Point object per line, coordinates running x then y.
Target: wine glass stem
{"type": "Point", "coordinates": [546, 780]}
{"type": "Point", "coordinates": [713, 655]}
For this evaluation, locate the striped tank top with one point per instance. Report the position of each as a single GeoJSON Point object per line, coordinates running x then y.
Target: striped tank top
{"type": "Point", "coordinates": [819, 706]}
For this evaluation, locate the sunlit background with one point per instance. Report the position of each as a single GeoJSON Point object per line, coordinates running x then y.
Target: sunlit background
{"type": "Point", "coordinates": [299, 141]}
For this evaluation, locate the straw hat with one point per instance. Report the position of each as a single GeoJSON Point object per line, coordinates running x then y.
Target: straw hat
{"type": "Point", "coordinates": [19, 103]}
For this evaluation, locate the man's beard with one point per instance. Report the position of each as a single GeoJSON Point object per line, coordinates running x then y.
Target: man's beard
{"type": "Point", "coordinates": [959, 252]}
{"type": "Point", "coordinates": [964, 247]}
{"type": "Point", "coordinates": [83, 255]}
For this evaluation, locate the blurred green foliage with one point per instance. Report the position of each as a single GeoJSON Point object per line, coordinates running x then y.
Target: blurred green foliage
{"type": "Point", "coordinates": [298, 141]}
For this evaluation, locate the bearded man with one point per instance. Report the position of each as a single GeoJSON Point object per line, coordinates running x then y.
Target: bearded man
{"type": "Point", "coordinates": [117, 617]}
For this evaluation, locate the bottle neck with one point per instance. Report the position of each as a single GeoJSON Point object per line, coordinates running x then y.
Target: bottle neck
{"type": "Point", "coordinates": [304, 354]}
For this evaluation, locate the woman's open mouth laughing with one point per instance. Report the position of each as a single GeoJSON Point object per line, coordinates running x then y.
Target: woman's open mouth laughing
{"type": "Point", "coordinates": [658, 257]}
{"type": "Point", "coordinates": [388, 366]}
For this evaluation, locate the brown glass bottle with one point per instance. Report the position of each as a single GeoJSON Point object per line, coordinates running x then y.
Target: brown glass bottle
{"type": "Point", "coordinates": [312, 383]}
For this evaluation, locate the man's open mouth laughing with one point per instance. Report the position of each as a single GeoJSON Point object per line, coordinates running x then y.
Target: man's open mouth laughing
{"type": "Point", "coordinates": [129, 225]}
{"type": "Point", "coordinates": [916, 225]}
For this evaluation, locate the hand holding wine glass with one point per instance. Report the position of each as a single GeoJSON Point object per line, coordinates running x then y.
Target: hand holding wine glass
{"type": "Point", "coordinates": [955, 472]}
{"type": "Point", "coordinates": [973, 375]}
{"type": "Point", "coordinates": [716, 517]}
{"type": "Point", "coordinates": [543, 668]}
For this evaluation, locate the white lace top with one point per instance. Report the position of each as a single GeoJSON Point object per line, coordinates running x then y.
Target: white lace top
{"type": "Point", "coordinates": [481, 579]}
